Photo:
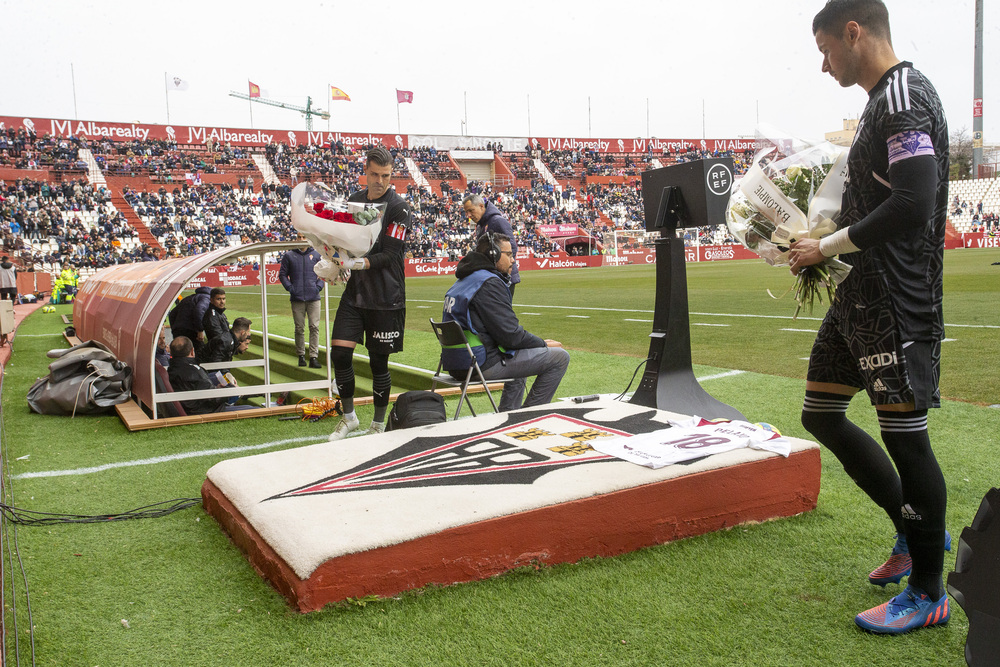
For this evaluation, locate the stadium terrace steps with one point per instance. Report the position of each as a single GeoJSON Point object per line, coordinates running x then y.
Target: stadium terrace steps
{"type": "Point", "coordinates": [266, 170]}
{"type": "Point", "coordinates": [284, 365]}
{"type": "Point", "coordinates": [415, 174]}
{"type": "Point", "coordinates": [94, 173]}
{"type": "Point", "coordinates": [145, 236]}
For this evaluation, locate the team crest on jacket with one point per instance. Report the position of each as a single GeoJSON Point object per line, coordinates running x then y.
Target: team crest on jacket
{"type": "Point", "coordinates": [517, 453]}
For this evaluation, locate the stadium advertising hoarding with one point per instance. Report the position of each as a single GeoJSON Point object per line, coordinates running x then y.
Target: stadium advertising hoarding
{"type": "Point", "coordinates": [706, 253]}
{"type": "Point", "coordinates": [652, 145]}
{"type": "Point", "coordinates": [981, 240]}
{"type": "Point", "coordinates": [559, 230]}
{"type": "Point", "coordinates": [192, 134]}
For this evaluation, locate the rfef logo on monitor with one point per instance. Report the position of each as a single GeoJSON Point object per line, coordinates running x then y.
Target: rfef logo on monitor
{"type": "Point", "coordinates": [719, 180]}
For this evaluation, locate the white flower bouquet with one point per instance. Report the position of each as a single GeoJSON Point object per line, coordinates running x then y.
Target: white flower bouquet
{"type": "Point", "coordinates": [341, 231]}
{"type": "Point", "coordinates": [792, 191]}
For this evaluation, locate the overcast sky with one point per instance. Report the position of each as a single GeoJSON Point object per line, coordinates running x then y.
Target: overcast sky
{"type": "Point", "coordinates": [488, 62]}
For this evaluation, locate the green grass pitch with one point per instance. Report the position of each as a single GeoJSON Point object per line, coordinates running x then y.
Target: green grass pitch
{"type": "Point", "coordinates": [779, 593]}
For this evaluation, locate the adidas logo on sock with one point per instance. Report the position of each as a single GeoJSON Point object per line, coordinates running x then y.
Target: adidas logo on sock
{"type": "Point", "coordinates": [909, 513]}
{"type": "Point", "coordinates": [879, 385]}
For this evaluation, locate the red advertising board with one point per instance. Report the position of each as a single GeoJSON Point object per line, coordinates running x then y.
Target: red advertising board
{"type": "Point", "coordinates": [637, 145]}
{"type": "Point", "coordinates": [706, 253]}
{"type": "Point", "coordinates": [199, 134]}
{"type": "Point", "coordinates": [192, 134]}
{"type": "Point", "coordinates": [981, 240]}
{"type": "Point", "coordinates": [559, 230]}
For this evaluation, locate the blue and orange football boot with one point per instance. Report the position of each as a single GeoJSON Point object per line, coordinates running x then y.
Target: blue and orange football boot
{"type": "Point", "coordinates": [910, 610]}
{"type": "Point", "coordinates": [899, 564]}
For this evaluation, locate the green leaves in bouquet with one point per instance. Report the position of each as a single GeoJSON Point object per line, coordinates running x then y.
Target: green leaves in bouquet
{"type": "Point", "coordinates": [799, 183]}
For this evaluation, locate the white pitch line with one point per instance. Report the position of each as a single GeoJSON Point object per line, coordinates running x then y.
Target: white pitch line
{"type": "Point", "coordinates": [974, 326]}
{"type": "Point", "coordinates": [703, 324]}
{"type": "Point", "coordinates": [801, 330]}
{"type": "Point", "coordinates": [646, 321]}
{"type": "Point", "coordinates": [163, 459]}
{"type": "Point", "coordinates": [580, 317]}
{"type": "Point", "coordinates": [746, 315]}
{"type": "Point", "coordinates": [720, 375]}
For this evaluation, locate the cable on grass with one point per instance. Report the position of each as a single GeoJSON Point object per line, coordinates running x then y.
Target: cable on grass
{"type": "Point", "coordinates": [10, 551]}
{"type": "Point", "coordinates": [317, 408]}
{"type": "Point", "coordinates": [25, 517]}
{"type": "Point", "coordinates": [641, 364]}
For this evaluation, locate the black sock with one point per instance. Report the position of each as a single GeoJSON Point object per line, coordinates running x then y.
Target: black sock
{"type": "Point", "coordinates": [824, 415]}
{"type": "Point", "coordinates": [381, 386]}
{"type": "Point", "coordinates": [343, 373]}
{"type": "Point", "coordinates": [924, 495]}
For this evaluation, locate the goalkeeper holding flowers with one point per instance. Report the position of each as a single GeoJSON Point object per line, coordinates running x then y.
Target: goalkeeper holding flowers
{"type": "Point", "coordinates": [373, 306]}
{"type": "Point", "coordinates": [883, 330]}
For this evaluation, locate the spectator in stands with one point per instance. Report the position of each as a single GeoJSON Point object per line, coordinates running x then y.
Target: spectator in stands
{"type": "Point", "coordinates": [488, 219]}
{"type": "Point", "coordinates": [480, 301]}
{"type": "Point", "coordinates": [298, 276]}
{"type": "Point", "coordinates": [186, 375]}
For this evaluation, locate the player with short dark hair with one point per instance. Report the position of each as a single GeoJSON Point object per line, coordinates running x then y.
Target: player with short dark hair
{"type": "Point", "coordinates": [883, 330]}
{"type": "Point", "coordinates": [373, 307]}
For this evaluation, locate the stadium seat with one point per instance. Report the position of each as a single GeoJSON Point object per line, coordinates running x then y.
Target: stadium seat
{"type": "Point", "coordinates": [162, 380]}
{"type": "Point", "coordinates": [451, 335]}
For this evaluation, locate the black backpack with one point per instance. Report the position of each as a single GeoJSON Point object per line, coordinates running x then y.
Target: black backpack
{"type": "Point", "coordinates": [416, 408]}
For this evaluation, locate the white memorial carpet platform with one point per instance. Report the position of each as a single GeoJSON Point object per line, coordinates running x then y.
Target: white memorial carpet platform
{"type": "Point", "coordinates": [469, 499]}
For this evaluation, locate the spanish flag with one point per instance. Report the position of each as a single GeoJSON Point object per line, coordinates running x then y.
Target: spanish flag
{"type": "Point", "coordinates": [254, 89]}
{"type": "Point", "coordinates": [336, 94]}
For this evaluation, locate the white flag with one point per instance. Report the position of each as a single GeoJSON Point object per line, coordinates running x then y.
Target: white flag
{"type": "Point", "coordinates": [176, 83]}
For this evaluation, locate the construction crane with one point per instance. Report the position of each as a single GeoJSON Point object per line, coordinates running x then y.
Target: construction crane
{"type": "Point", "coordinates": [308, 111]}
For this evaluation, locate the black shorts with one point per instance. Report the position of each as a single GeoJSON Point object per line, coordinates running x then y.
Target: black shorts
{"type": "Point", "coordinates": [864, 351]}
{"type": "Point", "coordinates": [381, 331]}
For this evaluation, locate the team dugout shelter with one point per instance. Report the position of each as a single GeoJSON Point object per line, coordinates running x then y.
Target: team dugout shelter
{"type": "Point", "coordinates": [125, 307]}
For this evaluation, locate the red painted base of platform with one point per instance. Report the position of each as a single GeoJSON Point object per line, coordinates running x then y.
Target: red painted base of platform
{"type": "Point", "coordinates": [603, 525]}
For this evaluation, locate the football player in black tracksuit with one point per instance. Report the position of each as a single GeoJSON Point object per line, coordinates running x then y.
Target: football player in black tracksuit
{"type": "Point", "coordinates": [883, 330]}
{"type": "Point", "coordinates": [373, 307]}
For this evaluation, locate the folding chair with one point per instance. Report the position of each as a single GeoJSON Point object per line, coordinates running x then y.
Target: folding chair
{"type": "Point", "coordinates": [451, 335]}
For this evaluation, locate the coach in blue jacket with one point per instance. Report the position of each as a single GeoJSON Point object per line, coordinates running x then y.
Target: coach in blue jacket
{"type": "Point", "coordinates": [480, 302]}
{"type": "Point", "coordinates": [298, 277]}
{"type": "Point", "coordinates": [488, 218]}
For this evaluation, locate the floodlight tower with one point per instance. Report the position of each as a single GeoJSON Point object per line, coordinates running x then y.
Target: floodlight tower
{"type": "Point", "coordinates": [977, 103]}
{"type": "Point", "coordinates": [306, 111]}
